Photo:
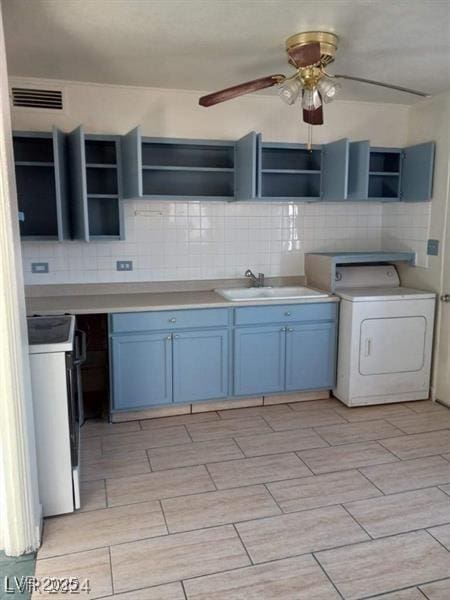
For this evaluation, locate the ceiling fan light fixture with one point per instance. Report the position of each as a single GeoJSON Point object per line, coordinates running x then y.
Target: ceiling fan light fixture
{"type": "Point", "coordinates": [289, 91]}
{"type": "Point", "coordinates": [328, 89]}
{"type": "Point", "coordinates": [311, 99]}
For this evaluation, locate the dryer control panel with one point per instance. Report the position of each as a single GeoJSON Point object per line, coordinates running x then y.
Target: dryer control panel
{"type": "Point", "coordinates": [364, 276]}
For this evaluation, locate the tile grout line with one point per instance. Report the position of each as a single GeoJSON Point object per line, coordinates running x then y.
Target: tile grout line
{"type": "Point", "coordinates": [243, 545]}
{"type": "Point", "coordinates": [434, 537]}
{"type": "Point", "coordinates": [184, 590]}
{"type": "Point", "coordinates": [326, 575]}
{"type": "Point", "coordinates": [111, 569]}
{"type": "Point", "coordinates": [357, 522]}
{"type": "Point", "coordinates": [164, 517]}
{"type": "Point", "coordinates": [367, 478]}
{"type": "Point", "coordinates": [163, 536]}
{"type": "Point", "coordinates": [211, 477]}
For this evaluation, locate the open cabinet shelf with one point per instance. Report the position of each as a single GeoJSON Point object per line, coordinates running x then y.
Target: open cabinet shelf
{"type": "Point", "coordinates": [41, 180]}
{"type": "Point", "coordinates": [177, 168]}
{"type": "Point", "coordinates": [96, 186]}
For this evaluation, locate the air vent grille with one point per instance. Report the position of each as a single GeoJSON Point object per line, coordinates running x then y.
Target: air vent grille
{"type": "Point", "coordinates": [37, 98]}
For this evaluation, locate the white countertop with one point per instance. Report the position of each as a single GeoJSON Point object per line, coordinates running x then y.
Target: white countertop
{"type": "Point", "coordinates": [144, 301]}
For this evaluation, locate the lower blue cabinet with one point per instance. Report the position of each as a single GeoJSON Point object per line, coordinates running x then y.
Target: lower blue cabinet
{"type": "Point", "coordinates": [141, 370]}
{"type": "Point", "coordinates": [200, 365]}
{"type": "Point", "coordinates": [310, 356]}
{"type": "Point", "coordinates": [259, 359]}
{"type": "Point", "coordinates": [189, 359]}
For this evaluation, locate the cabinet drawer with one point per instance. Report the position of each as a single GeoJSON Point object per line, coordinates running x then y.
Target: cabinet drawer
{"type": "Point", "coordinates": [285, 313]}
{"type": "Point", "coordinates": [168, 320]}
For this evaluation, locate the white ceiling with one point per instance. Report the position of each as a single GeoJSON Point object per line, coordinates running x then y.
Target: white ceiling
{"type": "Point", "coordinates": [211, 44]}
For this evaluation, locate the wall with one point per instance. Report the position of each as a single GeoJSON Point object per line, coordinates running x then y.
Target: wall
{"type": "Point", "coordinates": [201, 240]}
{"type": "Point", "coordinates": [431, 120]}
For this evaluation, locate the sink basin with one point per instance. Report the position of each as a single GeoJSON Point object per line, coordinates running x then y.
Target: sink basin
{"type": "Point", "coordinates": [269, 293]}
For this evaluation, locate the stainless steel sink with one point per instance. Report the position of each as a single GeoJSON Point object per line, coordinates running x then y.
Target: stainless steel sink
{"type": "Point", "coordinates": [269, 293]}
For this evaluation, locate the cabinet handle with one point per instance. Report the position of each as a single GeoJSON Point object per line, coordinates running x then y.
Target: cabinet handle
{"type": "Point", "coordinates": [287, 313]}
{"type": "Point", "coordinates": [290, 329]}
{"type": "Point", "coordinates": [283, 329]}
{"type": "Point", "coordinates": [175, 337]}
{"type": "Point", "coordinates": [169, 337]}
{"type": "Point", "coordinates": [368, 348]}
{"type": "Point", "coordinates": [172, 320]}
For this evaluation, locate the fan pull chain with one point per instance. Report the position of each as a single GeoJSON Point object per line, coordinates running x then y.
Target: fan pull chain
{"type": "Point", "coordinates": [310, 135]}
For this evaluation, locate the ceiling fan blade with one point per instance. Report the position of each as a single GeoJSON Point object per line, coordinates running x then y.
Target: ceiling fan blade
{"type": "Point", "coordinates": [386, 85]}
{"type": "Point", "coordinates": [313, 117]}
{"type": "Point", "coordinates": [239, 90]}
{"type": "Point", "coordinates": [304, 56]}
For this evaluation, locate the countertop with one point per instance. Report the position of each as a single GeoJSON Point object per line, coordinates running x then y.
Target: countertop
{"type": "Point", "coordinates": [144, 301]}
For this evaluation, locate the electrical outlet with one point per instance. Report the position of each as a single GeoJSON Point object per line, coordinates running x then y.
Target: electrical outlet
{"type": "Point", "coordinates": [41, 267]}
{"type": "Point", "coordinates": [433, 247]}
{"type": "Point", "coordinates": [124, 265]}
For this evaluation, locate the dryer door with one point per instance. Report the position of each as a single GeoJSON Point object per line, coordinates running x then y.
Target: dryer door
{"type": "Point", "coordinates": [392, 345]}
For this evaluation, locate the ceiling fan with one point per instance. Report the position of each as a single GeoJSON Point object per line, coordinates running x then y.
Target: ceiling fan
{"type": "Point", "coordinates": [309, 53]}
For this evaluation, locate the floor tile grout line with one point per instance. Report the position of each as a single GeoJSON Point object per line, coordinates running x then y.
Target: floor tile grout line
{"type": "Point", "coordinates": [367, 478]}
{"type": "Point", "coordinates": [274, 499]}
{"type": "Point", "coordinates": [268, 424]}
{"type": "Point", "coordinates": [213, 481]}
{"type": "Point", "coordinates": [111, 570]}
{"type": "Point", "coordinates": [189, 433]}
{"type": "Point", "coordinates": [355, 520]}
{"type": "Point", "coordinates": [184, 590]}
{"type": "Point", "coordinates": [149, 463]}
{"type": "Point", "coordinates": [149, 539]}
{"type": "Point", "coordinates": [327, 576]}
{"type": "Point", "coordinates": [164, 517]}
{"type": "Point", "coordinates": [434, 537]}
{"type": "Point", "coordinates": [416, 586]}
{"type": "Point", "coordinates": [265, 484]}
{"type": "Point", "coordinates": [243, 545]}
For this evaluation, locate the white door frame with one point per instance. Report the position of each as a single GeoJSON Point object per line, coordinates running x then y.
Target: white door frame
{"type": "Point", "coordinates": [20, 511]}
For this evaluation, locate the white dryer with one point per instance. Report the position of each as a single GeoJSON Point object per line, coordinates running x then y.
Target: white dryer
{"type": "Point", "coordinates": [385, 337]}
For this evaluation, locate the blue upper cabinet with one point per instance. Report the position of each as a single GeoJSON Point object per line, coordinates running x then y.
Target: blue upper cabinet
{"type": "Point", "coordinates": [395, 174]}
{"type": "Point", "coordinates": [385, 171]}
{"type": "Point", "coordinates": [42, 190]}
{"type": "Point", "coordinates": [335, 160]}
{"type": "Point", "coordinates": [164, 168]}
{"type": "Point", "coordinates": [96, 180]}
{"type": "Point", "coordinates": [417, 173]}
{"type": "Point", "coordinates": [288, 171]}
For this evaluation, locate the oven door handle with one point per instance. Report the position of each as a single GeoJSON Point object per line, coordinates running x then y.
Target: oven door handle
{"type": "Point", "coordinates": [81, 335]}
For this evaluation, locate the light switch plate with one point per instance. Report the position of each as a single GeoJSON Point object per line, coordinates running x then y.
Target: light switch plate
{"type": "Point", "coordinates": [124, 265]}
{"type": "Point", "coordinates": [433, 247]}
{"type": "Point", "coordinates": [39, 267]}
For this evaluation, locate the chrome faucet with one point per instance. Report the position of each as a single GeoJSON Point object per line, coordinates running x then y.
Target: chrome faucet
{"type": "Point", "coordinates": [256, 281]}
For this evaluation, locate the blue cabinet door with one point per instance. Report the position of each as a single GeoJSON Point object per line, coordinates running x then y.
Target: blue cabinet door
{"type": "Point", "coordinates": [200, 365]}
{"type": "Point", "coordinates": [358, 170]}
{"type": "Point", "coordinates": [335, 158]}
{"type": "Point", "coordinates": [77, 157]}
{"type": "Point", "coordinates": [141, 370]}
{"type": "Point", "coordinates": [310, 356]}
{"type": "Point", "coordinates": [132, 164]}
{"type": "Point", "coordinates": [259, 360]}
{"type": "Point", "coordinates": [417, 173]}
{"type": "Point", "coordinates": [246, 167]}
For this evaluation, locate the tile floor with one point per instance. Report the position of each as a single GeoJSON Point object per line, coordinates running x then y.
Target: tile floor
{"type": "Point", "coordinates": [306, 501]}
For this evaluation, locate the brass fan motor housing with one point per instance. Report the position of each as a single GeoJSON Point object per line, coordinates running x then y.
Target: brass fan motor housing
{"type": "Point", "coordinates": [328, 43]}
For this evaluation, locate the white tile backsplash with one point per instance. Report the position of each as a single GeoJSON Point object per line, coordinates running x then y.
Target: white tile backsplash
{"type": "Point", "coordinates": [210, 240]}
{"type": "Point", "coordinates": [406, 227]}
